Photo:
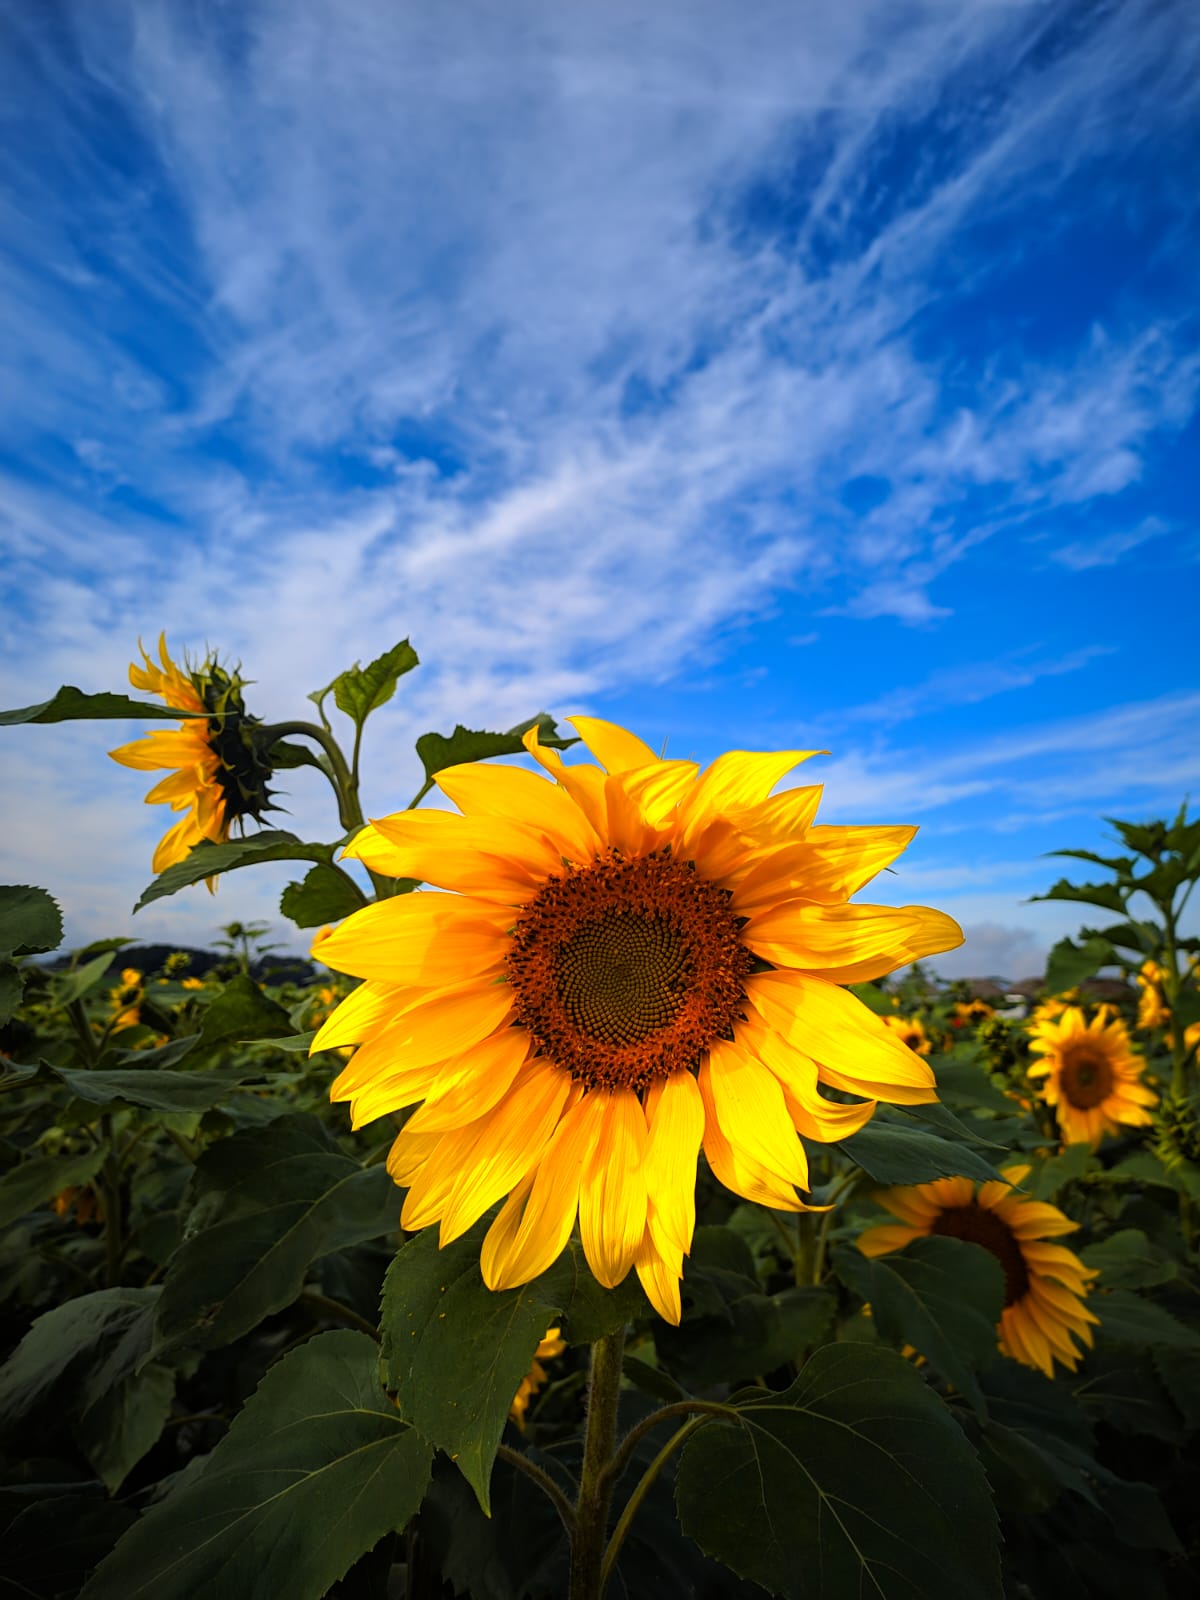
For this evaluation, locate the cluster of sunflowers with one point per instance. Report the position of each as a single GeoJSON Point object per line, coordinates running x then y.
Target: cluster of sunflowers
{"type": "Point", "coordinates": [602, 1011]}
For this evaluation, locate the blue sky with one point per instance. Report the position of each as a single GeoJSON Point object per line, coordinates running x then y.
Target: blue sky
{"type": "Point", "coordinates": [756, 374]}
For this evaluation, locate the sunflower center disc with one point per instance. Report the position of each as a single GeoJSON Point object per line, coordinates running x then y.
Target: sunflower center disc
{"type": "Point", "coordinates": [978, 1225]}
{"type": "Point", "coordinates": [626, 971]}
{"type": "Point", "coordinates": [1086, 1077]}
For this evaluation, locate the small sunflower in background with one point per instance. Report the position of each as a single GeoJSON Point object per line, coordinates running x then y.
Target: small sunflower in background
{"type": "Point", "coordinates": [636, 960]}
{"type": "Point", "coordinates": [1152, 1005]}
{"type": "Point", "coordinates": [911, 1030]}
{"type": "Point", "coordinates": [217, 771]}
{"type": "Point", "coordinates": [552, 1345]}
{"type": "Point", "coordinates": [1044, 1283]}
{"type": "Point", "coordinates": [1093, 1078]}
{"type": "Point", "coordinates": [125, 1000]}
{"type": "Point", "coordinates": [969, 1013]}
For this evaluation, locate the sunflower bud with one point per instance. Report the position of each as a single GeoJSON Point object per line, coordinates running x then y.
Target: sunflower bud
{"type": "Point", "coordinates": [1177, 1133]}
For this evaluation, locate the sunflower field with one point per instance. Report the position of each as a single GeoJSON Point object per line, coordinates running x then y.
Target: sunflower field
{"type": "Point", "coordinates": [623, 1209]}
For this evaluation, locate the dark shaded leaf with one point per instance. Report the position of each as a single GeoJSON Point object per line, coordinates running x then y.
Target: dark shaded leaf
{"type": "Point", "coordinates": [241, 1012]}
{"type": "Point", "coordinates": [325, 894]}
{"type": "Point", "coordinates": [266, 1211]}
{"type": "Point", "coordinates": [1128, 1260]}
{"type": "Point", "coordinates": [315, 1469]}
{"type": "Point", "coordinates": [890, 1153]}
{"type": "Point", "coordinates": [1134, 1320]}
{"type": "Point", "coordinates": [942, 1296]}
{"type": "Point", "coordinates": [72, 705]}
{"type": "Point", "coordinates": [207, 860]}
{"type": "Point", "coordinates": [856, 1480]}
{"type": "Point", "coordinates": [34, 1182]}
{"type": "Point", "coordinates": [1055, 1172]}
{"type": "Point", "coordinates": [30, 921]}
{"type": "Point", "coordinates": [360, 690]}
{"type": "Point", "coordinates": [156, 1091]}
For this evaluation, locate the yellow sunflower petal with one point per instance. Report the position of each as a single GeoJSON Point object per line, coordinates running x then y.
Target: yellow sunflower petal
{"type": "Point", "coordinates": [659, 1280]}
{"type": "Point", "coordinates": [614, 748]}
{"type": "Point", "coordinates": [363, 1013]}
{"type": "Point", "coordinates": [675, 1120]}
{"type": "Point", "coordinates": [491, 860]}
{"type": "Point", "coordinates": [470, 1087]}
{"type": "Point", "coordinates": [828, 865]}
{"type": "Point", "coordinates": [849, 943]}
{"type": "Point", "coordinates": [612, 1195]}
{"type": "Point", "coordinates": [736, 781]}
{"type": "Point", "coordinates": [417, 938]}
{"type": "Point", "coordinates": [520, 1253]}
{"type": "Point", "coordinates": [510, 793]}
{"type": "Point", "coordinates": [751, 1111]}
{"type": "Point", "coordinates": [853, 1048]}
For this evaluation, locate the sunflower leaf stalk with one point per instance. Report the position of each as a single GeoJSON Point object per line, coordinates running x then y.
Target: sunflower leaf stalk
{"type": "Point", "coordinates": [595, 1481]}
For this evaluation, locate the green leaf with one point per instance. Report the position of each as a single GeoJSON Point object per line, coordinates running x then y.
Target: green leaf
{"type": "Point", "coordinates": [156, 1091]}
{"type": "Point", "coordinates": [12, 988]}
{"type": "Point", "coordinates": [67, 987]}
{"type": "Point", "coordinates": [267, 1209]}
{"type": "Point", "coordinates": [34, 1182]}
{"type": "Point", "coordinates": [207, 860]}
{"type": "Point", "coordinates": [591, 1311]}
{"type": "Point", "coordinates": [455, 1351]}
{"type": "Point", "coordinates": [1091, 894]}
{"type": "Point", "coordinates": [1071, 963]}
{"type": "Point", "coordinates": [942, 1296]}
{"type": "Point", "coordinates": [326, 894]}
{"type": "Point", "coordinates": [1128, 1260]}
{"type": "Point", "coordinates": [1036, 1442]}
{"type": "Point", "coordinates": [750, 1333]}
{"type": "Point", "coordinates": [1133, 1320]}
{"type": "Point", "coordinates": [82, 1360]}
{"type": "Point", "coordinates": [437, 751]}
{"type": "Point", "coordinates": [30, 921]}
{"type": "Point", "coordinates": [962, 1081]}
{"type": "Point", "coordinates": [1056, 1172]}
{"type": "Point", "coordinates": [72, 705]}
{"type": "Point", "coordinates": [854, 1481]}
{"type": "Point", "coordinates": [1119, 864]}
{"type": "Point", "coordinates": [360, 690]}
{"type": "Point", "coordinates": [315, 1469]}
{"type": "Point", "coordinates": [240, 1013]}
{"type": "Point", "coordinates": [890, 1153]}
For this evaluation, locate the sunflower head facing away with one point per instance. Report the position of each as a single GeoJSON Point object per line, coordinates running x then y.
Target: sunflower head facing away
{"type": "Point", "coordinates": [1044, 1283]}
{"type": "Point", "coordinates": [1093, 1079]}
{"type": "Point", "coordinates": [217, 770]}
{"type": "Point", "coordinates": [633, 961]}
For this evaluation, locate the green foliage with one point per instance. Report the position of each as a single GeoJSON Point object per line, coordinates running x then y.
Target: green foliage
{"type": "Point", "coordinates": [360, 690]}
{"type": "Point", "coordinates": [1070, 964]}
{"type": "Point", "coordinates": [890, 1152]}
{"type": "Point", "coordinates": [72, 705]}
{"type": "Point", "coordinates": [314, 1471]}
{"type": "Point", "coordinates": [208, 860]}
{"type": "Point", "coordinates": [439, 751]}
{"type": "Point", "coordinates": [326, 894]}
{"type": "Point", "coordinates": [30, 921]}
{"type": "Point", "coordinates": [853, 1480]}
{"type": "Point", "coordinates": [33, 1182]}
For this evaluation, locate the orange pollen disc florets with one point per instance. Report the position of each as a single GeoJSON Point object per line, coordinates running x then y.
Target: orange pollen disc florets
{"type": "Point", "coordinates": [1086, 1076]}
{"type": "Point", "coordinates": [626, 971]}
{"type": "Point", "coordinates": [981, 1226]}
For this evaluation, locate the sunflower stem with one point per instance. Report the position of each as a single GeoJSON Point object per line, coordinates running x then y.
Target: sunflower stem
{"type": "Point", "coordinates": [595, 1484]}
{"type": "Point", "coordinates": [633, 1504]}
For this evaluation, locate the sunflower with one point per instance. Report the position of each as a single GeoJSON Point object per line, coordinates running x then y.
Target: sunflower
{"type": "Point", "coordinates": [635, 960]}
{"type": "Point", "coordinates": [911, 1030]}
{"type": "Point", "coordinates": [1152, 1006]}
{"type": "Point", "coordinates": [1093, 1078]}
{"type": "Point", "coordinates": [552, 1345]}
{"type": "Point", "coordinates": [970, 1011]}
{"type": "Point", "coordinates": [217, 771]}
{"type": "Point", "coordinates": [125, 1000]}
{"type": "Point", "coordinates": [1044, 1283]}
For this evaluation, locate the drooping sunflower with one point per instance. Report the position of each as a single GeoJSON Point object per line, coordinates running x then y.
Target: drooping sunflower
{"type": "Point", "coordinates": [911, 1030]}
{"type": "Point", "coordinates": [1093, 1077]}
{"type": "Point", "coordinates": [218, 774]}
{"type": "Point", "coordinates": [634, 960]}
{"type": "Point", "coordinates": [1044, 1283]}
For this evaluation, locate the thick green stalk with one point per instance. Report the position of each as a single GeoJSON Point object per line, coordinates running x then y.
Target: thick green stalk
{"type": "Point", "coordinates": [595, 1484]}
